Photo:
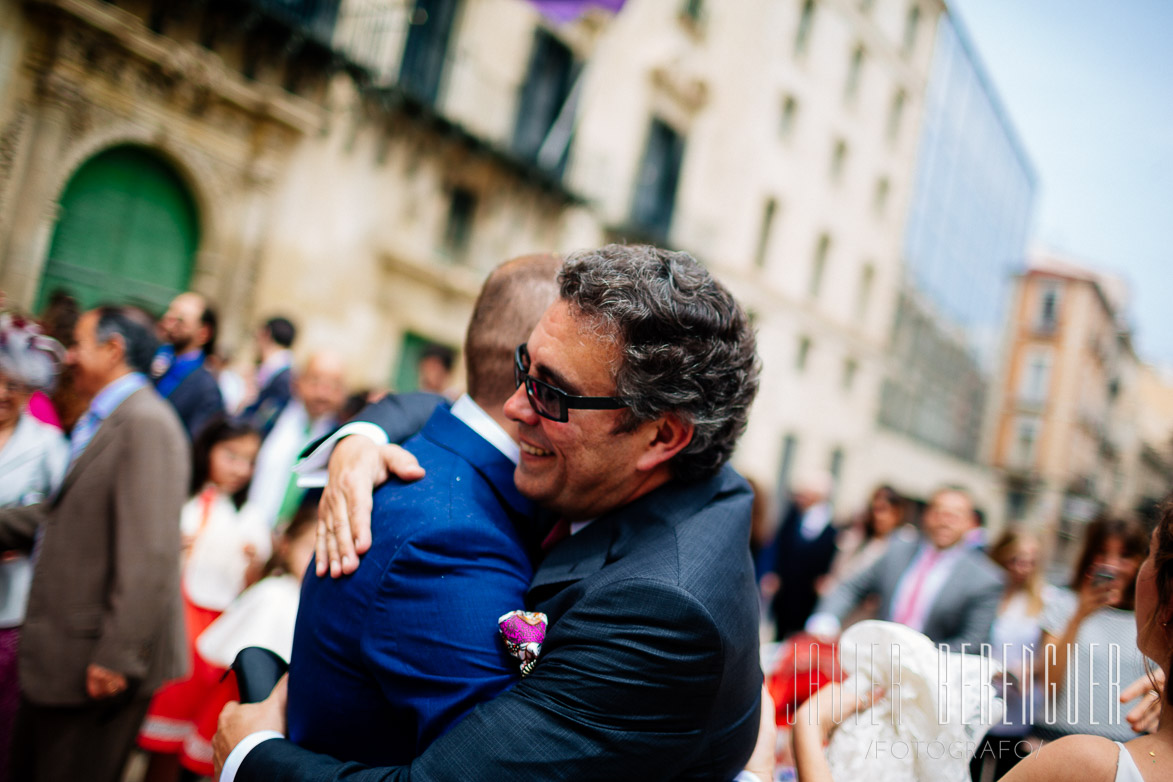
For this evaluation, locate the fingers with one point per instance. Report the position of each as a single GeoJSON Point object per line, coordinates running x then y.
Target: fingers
{"type": "Point", "coordinates": [103, 683]}
{"type": "Point", "coordinates": [1136, 689]}
{"type": "Point", "coordinates": [400, 463]}
{"type": "Point", "coordinates": [1144, 717]}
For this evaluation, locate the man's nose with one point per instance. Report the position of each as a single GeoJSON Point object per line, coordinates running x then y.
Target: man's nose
{"type": "Point", "coordinates": [518, 408]}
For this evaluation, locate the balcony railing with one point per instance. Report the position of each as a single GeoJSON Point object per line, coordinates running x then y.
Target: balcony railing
{"type": "Point", "coordinates": [314, 19]}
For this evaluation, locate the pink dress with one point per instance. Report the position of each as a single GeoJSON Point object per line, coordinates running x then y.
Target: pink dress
{"type": "Point", "coordinates": [41, 408]}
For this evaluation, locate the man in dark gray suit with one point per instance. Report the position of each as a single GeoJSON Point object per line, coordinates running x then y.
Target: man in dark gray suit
{"type": "Point", "coordinates": [649, 669]}
{"type": "Point", "coordinates": [936, 583]}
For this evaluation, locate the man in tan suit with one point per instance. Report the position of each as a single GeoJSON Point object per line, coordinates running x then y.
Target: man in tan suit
{"type": "Point", "coordinates": [105, 622]}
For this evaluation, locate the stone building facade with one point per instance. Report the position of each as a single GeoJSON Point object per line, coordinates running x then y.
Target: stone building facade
{"type": "Point", "coordinates": [361, 164]}
{"type": "Point", "coordinates": [1084, 428]}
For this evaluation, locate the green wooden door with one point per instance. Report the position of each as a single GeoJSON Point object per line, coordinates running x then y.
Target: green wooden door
{"type": "Point", "coordinates": [127, 233]}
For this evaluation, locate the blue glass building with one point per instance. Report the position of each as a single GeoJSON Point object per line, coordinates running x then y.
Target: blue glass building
{"type": "Point", "coordinates": [968, 223]}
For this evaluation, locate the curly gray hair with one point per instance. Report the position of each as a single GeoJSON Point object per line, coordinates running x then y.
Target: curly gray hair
{"type": "Point", "coordinates": [686, 344]}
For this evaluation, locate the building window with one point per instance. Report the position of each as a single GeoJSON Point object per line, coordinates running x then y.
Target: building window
{"type": "Point", "coordinates": [769, 212]}
{"type": "Point", "coordinates": [692, 10]}
{"type": "Point", "coordinates": [545, 115]}
{"type": "Point", "coordinates": [880, 197]}
{"type": "Point", "coordinates": [803, 354]}
{"type": "Point", "coordinates": [789, 114]}
{"type": "Point", "coordinates": [1036, 377]}
{"type": "Point", "coordinates": [659, 173]}
{"type": "Point", "coordinates": [806, 22]}
{"type": "Point", "coordinates": [838, 160]}
{"type": "Point", "coordinates": [458, 230]}
{"type": "Point", "coordinates": [835, 467]}
{"type": "Point", "coordinates": [911, 28]}
{"type": "Point", "coordinates": [1048, 318]}
{"type": "Point", "coordinates": [854, 74]}
{"type": "Point", "coordinates": [426, 50]}
{"type": "Point", "coordinates": [786, 464]}
{"type": "Point", "coordinates": [850, 369]}
{"type": "Point", "coordinates": [896, 115]}
{"type": "Point", "coordinates": [1026, 436]}
{"type": "Point", "coordinates": [819, 265]}
{"type": "Point", "coordinates": [867, 278]}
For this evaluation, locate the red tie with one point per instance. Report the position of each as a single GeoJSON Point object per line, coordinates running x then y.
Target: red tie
{"type": "Point", "coordinates": [560, 532]}
{"type": "Point", "coordinates": [909, 608]}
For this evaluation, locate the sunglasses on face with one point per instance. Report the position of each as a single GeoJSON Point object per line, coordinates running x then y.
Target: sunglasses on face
{"type": "Point", "coordinates": [551, 402]}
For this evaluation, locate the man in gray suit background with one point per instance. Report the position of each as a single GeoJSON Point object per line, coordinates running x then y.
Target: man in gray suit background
{"type": "Point", "coordinates": [936, 583]}
{"type": "Point", "coordinates": [105, 624]}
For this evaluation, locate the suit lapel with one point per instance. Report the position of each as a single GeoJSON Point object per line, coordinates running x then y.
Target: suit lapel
{"type": "Point", "coordinates": [613, 535]}
{"type": "Point", "coordinates": [452, 434]}
{"type": "Point", "coordinates": [101, 439]}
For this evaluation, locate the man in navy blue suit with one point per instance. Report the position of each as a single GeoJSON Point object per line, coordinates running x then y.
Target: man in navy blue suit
{"type": "Point", "coordinates": [389, 659]}
{"type": "Point", "coordinates": [632, 391]}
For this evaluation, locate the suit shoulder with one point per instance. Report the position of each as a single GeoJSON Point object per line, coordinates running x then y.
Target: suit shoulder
{"type": "Point", "coordinates": [986, 567]}
{"type": "Point", "coordinates": [147, 412]}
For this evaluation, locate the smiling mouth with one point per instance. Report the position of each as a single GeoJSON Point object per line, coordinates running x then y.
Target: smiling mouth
{"type": "Point", "coordinates": [533, 450]}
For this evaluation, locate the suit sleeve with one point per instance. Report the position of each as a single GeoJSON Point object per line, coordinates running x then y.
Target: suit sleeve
{"type": "Point", "coordinates": [580, 714]}
{"type": "Point", "coordinates": [980, 611]}
{"type": "Point", "coordinates": [851, 592]}
{"type": "Point", "coordinates": [431, 637]}
{"type": "Point", "coordinates": [18, 526]}
{"type": "Point", "coordinates": [208, 402]}
{"type": "Point", "coordinates": [400, 416]}
{"type": "Point", "coordinates": [147, 497]}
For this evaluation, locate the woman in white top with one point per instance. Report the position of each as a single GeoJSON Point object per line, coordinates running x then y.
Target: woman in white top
{"type": "Point", "coordinates": [1089, 633]}
{"type": "Point", "coordinates": [1015, 641]}
{"type": "Point", "coordinates": [33, 459]}
{"type": "Point", "coordinates": [225, 546]}
{"type": "Point", "coordinates": [1148, 758]}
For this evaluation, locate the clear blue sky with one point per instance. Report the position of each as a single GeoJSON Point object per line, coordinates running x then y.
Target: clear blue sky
{"type": "Point", "coordinates": [1089, 88]}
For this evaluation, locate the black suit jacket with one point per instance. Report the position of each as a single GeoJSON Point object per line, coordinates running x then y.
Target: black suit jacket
{"type": "Point", "coordinates": [270, 401]}
{"type": "Point", "coordinates": [649, 669]}
{"type": "Point", "coordinates": [196, 400]}
{"type": "Point", "coordinates": [799, 563]}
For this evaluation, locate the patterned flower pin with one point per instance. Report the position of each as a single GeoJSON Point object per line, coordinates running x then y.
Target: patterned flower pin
{"type": "Point", "coordinates": [523, 633]}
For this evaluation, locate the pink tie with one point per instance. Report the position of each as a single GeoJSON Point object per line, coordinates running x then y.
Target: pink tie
{"type": "Point", "coordinates": [908, 610]}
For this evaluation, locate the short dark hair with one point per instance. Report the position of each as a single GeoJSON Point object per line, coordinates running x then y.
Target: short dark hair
{"type": "Point", "coordinates": [442, 353]}
{"type": "Point", "coordinates": [686, 344]}
{"type": "Point", "coordinates": [134, 328]}
{"type": "Point", "coordinates": [281, 330]}
{"type": "Point", "coordinates": [510, 304]}
{"type": "Point", "coordinates": [211, 321]}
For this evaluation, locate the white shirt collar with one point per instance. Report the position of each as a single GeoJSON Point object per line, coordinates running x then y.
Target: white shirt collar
{"type": "Point", "coordinates": [483, 424]}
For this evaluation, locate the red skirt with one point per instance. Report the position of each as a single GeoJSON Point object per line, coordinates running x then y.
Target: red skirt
{"type": "Point", "coordinates": [196, 754]}
{"type": "Point", "coordinates": [176, 705]}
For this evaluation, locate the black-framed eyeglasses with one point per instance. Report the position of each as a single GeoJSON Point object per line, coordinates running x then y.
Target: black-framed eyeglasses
{"type": "Point", "coordinates": [552, 402]}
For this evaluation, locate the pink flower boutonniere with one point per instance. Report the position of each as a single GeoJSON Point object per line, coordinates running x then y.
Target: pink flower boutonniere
{"type": "Point", "coordinates": [523, 633]}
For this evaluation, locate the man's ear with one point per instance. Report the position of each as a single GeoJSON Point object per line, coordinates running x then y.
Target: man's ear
{"type": "Point", "coordinates": [668, 435]}
{"type": "Point", "coordinates": [116, 347]}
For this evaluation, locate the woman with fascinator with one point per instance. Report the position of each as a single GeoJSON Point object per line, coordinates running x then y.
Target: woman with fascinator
{"type": "Point", "coordinates": [33, 459]}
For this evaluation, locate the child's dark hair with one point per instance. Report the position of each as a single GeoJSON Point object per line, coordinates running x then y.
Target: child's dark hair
{"type": "Point", "coordinates": [305, 516]}
{"type": "Point", "coordinates": [218, 429]}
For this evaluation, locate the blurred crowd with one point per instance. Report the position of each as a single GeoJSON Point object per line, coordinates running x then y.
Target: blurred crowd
{"type": "Point", "coordinates": [931, 567]}
{"type": "Point", "coordinates": [245, 529]}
